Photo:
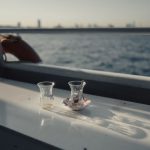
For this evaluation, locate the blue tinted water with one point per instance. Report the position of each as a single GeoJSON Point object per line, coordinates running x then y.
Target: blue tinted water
{"type": "Point", "coordinates": [124, 53]}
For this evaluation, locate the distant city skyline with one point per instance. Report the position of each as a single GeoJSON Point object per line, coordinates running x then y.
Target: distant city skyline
{"type": "Point", "coordinates": [39, 25]}
{"type": "Point", "coordinates": [69, 13]}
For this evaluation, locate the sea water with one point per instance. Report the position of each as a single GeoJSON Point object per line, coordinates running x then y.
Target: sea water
{"type": "Point", "coordinates": [115, 52]}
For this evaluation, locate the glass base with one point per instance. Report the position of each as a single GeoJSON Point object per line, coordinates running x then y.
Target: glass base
{"type": "Point", "coordinates": [77, 106]}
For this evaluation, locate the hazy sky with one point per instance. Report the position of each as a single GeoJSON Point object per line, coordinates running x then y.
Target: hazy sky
{"type": "Point", "coordinates": [70, 12]}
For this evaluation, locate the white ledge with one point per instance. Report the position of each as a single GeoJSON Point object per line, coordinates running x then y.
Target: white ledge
{"type": "Point", "coordinates": [114, 124]}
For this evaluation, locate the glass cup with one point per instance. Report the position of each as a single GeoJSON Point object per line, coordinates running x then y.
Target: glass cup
{"type": "Point", "coordinates": [76, 95]}
{"type": "Point", "coordinates": [46, 93]}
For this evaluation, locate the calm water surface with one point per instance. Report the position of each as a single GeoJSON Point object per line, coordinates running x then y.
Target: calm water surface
{"type": "Point", "coordinates": [124, 53]}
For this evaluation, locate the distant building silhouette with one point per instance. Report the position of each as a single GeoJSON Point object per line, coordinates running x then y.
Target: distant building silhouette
{"type": "Point", "coordinates": [19, 24]}
{"type": "Point", "coordinates": [77, 26]}
{"type": "Point", "coordinates": [59, 26]}
{"type": "Point", "coordinates": [89, 26]}
{"type": "Point", "coordinates": [95, 26]}
{"type": "Point", "coordinates": [111, 26]}
{"type": "Point", "coordinates": [38, 23]}
{"type": "Point", "coordinates": [131, 25]}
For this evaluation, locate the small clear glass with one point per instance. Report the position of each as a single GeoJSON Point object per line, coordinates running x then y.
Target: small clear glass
{"type": "Point", "coordinates": [76, 91]}
{"type": "Point", "coordinates": [46, 93]}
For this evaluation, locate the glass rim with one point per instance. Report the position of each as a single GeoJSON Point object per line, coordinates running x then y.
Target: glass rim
{"type": "Point", "coordinates": [76, 82]}
{"type": "Point", "coordinates": [45, 83]}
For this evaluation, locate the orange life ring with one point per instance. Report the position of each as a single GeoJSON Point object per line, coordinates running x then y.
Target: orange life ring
{"type": "Point", "coordinates": [19, 48]}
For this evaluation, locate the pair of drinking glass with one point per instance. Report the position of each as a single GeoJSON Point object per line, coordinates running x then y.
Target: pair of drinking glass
{"type": "Point", "coordinates": [76, 101]}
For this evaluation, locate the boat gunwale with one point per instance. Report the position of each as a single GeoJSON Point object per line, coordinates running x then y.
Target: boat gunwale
{"type": "Point", "coordinates": [114, 85]}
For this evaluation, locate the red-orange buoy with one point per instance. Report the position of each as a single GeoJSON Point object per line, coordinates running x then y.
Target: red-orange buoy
{"type": "Point", "coordinates": [19, 48]}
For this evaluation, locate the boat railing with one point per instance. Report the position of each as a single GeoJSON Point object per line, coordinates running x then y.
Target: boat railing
{"type": "Point", "coordinates": [115, 85]}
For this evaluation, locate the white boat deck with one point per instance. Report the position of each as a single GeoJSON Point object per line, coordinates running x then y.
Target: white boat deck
{"type": "Point", "coordinates": [106, 124]}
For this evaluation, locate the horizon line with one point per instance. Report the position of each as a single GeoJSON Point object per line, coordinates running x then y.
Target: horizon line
{"type": "Point", "coordinates": [66, 30]}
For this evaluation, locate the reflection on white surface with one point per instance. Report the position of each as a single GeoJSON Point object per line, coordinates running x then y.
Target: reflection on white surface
{"type": "Point", "coordinates": [127, 130]}
{"type": "Point", "coordinates": [101, 117]}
